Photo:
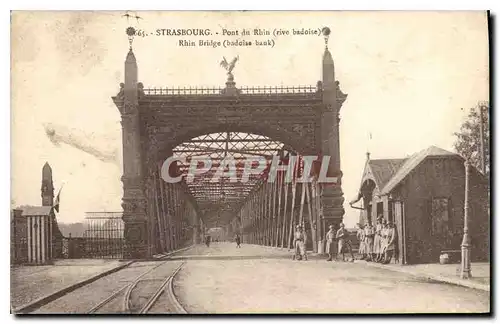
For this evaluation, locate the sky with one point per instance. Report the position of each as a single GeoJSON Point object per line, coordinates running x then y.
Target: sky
{"type": "Point", "coordinates": [411, 78]}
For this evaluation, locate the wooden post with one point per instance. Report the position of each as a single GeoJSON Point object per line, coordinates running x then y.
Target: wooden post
{"type": "Point", "coordinates": [158, 212]}
{"type": "Point", "coordinates": [164, 214]}
{"type": "Point", "coordinates": [176, 217]}
{"type": "Point", "coordinates": [180, 207]}
{"type": "Point", "coordinates": [321, 229]}
{"type": "Point", "coordinates": [255, 217]}
{"type": "Point", "coordinates": [264, 215]}
{"type": "Point", "coordinates": [278, 216]}
{"type": "Point", "coordinates": [311, 219]}
{"type": "Point", "coordinates": [294, 190]}
{"type": "Point", "coordinates": [272, 213]}
{"type": "Point", "coordinates": [252, 218]}
{"type": "Point", "coordinates": [283, 232]}
{"type": "Point", "coordinates": [170, 215]}
{"type": "Point", "coordinates": [151, 208]}
{"type": "Point", "coordinates": [259, 216]}
{"type": "Point", "coordinates": [302, 198]}
{"type": "Point", "coordinates": [173, 218]}
{"type": "Point", "coordinates": [265, 227]}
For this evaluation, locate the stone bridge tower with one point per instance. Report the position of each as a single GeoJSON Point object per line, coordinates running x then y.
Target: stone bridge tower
{"type": "Point", "coordinates": [332, 196]}
{"type": "Point", "coordinates": [47, 186]}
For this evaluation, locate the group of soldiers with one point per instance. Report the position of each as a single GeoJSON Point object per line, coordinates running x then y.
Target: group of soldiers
{"type": "Point", "coordinates": [341, 237]}
{"type": "Point", "coordinates": [377, 244]}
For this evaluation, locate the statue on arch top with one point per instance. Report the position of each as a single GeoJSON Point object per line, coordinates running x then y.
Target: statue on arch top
{"type": "Point", "coordinates": [229, 66]}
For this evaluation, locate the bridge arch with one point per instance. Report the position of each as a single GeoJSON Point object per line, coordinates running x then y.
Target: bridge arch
{"type": "Point", "coordinates": [156, 120]}
{"type": "Point", "coordinates": [294, 141]}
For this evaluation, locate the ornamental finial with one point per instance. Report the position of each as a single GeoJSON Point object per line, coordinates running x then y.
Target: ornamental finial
{"type": "Point", "coordinates": [130, 34]}
{"type": "Point", "coordinates": [326, 34]}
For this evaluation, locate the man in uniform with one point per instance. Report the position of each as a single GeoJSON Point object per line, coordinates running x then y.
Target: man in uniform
{"type": "Point", "coordinates": [330, 243]}
{"type": "Point", "coordinates": [344, 242]}
{"type": "Point", "coordinates": [299, 242]}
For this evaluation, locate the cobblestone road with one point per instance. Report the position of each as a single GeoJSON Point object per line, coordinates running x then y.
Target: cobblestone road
{"type": "Point", "coordinates": [223, 279]}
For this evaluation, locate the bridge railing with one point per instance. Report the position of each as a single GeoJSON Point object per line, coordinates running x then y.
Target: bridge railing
{"type": "Point", "coordinates": [258, 90]}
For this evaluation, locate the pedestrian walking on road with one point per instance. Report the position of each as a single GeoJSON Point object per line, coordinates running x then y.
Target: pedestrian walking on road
{"type": "Point", "coordinates": [344, 242]}
{"type": "Point", "coordinates": [207, 240]}
{"type": "Point", "coordinates": [330, 243]}
{"type": "Point", "coordinates": [238, 241]}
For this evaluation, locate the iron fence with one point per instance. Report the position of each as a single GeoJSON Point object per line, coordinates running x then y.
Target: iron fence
{"type": "Point", "coordinates": [103, 238]}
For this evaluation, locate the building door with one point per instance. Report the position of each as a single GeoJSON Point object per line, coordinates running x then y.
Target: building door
{"type": "Point", "coordinates": [440, 229]}
{"type": "Point", "coordinates": [398, 212]}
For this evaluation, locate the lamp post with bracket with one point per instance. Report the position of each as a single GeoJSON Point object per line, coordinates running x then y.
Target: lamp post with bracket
{"type": "Point", "coordinates": [465, 264]}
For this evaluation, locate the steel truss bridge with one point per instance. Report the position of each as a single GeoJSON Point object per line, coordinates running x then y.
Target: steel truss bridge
{"type": "Point", "coordinates": [222, 123]}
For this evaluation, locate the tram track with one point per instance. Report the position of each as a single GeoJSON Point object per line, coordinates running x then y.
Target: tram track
{"type": "Point", "coordinates": [140, 295]}
{"type": "Point", "coordinates": [110, 287]}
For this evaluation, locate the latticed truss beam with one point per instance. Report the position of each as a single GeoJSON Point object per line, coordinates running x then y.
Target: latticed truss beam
{"type": "Point", "coordinates": [216, 197]}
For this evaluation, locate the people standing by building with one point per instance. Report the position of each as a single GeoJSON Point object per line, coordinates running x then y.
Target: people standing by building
{"type": "Point", "coordinates": [360, 235]}
{"type": "Point", "coordinates": [344, 242]}
{"type": "Point", "coordinates": [383, 241]}
{"type": "Point", "coordinates": [207, 240]}
{"type": "Point", "coordinates": [238, 241]}
{"type": "Point", "coordinates": [369, 234]}
{"type": "Point", "coordinates": [377, 239]}
{"type": "Point", "coordinates": [299, 243]}
{"type": "Point", "coordinates": [330, 243]}
{"type": "Point", "coordinates": [392, 237]}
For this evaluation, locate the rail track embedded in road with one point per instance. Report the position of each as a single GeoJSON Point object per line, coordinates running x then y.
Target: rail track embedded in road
{"type": "Point", "coordinates": [137, 287]}
{"type": "Point", "coordinates": [168, 283]}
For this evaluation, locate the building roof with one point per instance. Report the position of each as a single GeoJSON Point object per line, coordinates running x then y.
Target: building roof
{"type": "Point", "coordinates": [384, 169]}
{"type": "Point", "coordinates": [411, 163]}
{"type": "Point", "coordinates": [35, 210]}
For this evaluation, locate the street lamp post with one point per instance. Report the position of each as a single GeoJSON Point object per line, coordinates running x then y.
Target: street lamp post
{"type": "Point", "coordinates": [465, 268]}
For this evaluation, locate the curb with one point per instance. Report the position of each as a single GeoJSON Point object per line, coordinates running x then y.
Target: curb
{"type": "Point", "coordinates": [451, 281]}
{"type": "Point", "coordinates": [166, 255]}
{"type": "Point", "coordinates": [31, 306]}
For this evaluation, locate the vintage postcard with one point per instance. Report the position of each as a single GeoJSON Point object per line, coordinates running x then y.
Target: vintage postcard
{"type": "Point", "coordinates": [219, 162]}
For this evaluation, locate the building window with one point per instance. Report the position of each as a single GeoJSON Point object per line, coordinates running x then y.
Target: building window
{"type": "Point", "coordinates": [391, 211]}
{"type": "Point", "coordinates": [380, 209]}
{"type": "Point", "coordinates": [440, 217]}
